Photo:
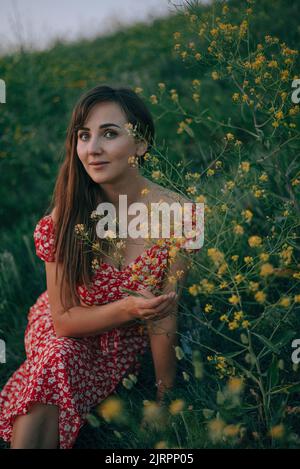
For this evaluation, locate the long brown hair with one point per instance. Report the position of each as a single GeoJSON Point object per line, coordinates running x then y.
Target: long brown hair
{"type": "Point", "coordinates": [76, 195]}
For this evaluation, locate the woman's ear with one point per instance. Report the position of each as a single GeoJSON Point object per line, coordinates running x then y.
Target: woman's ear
{"type": "Point", "coordinates": [142, 147]}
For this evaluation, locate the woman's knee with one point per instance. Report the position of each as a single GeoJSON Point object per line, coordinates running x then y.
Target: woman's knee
{"type": "Point", "coordinates": [44, 409]}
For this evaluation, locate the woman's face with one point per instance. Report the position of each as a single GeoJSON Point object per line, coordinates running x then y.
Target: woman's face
{"type": "Point", "coordinates": [97, 142]}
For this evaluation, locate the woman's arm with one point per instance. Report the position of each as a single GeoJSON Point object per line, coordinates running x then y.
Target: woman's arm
{"type": "Point", "coordinates": [163, 332]}
{"type": "Point", "coordinates": [163, 340]}
{"type": "Point", "coordinates": [80, 321]}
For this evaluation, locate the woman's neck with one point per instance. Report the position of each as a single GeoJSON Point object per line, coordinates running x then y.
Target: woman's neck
{"type": "Point", "coordinates": [132, 189]}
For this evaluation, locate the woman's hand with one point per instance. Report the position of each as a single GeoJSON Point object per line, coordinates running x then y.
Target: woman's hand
{"type": "Point", "coordinates": [151, 306]}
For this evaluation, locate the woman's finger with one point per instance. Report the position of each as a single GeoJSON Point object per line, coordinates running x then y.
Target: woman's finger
{"type": "Point", "coordinates": [154, 303]}
{"type": "Point", "coordinates": [171, 301]}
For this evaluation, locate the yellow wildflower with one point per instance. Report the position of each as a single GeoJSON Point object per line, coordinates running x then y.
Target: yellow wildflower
{"type": "Point", "coordinates": [238, 315]}
{"type": "Point", "coordinates": [238, 229]}
{"type": "Point", "coordinates": [266, 269]}
{"type": "Point", "coordinates": [216, 255]}
{"type": "Point", "coordinates": [245, 166]}
{"type": "Point", "coordinates": [286, 254]}
{"type": "Point", "coordinates": [273, 64]}
{"type": "Point", "coordinates": [254, 241]}
{"type": "Point", "coordinates": [234, 299]}
{"type": "Point", "coordinates": [279, 115]}
{"type": "Point", "coordinates": [222, 268]}
{"type": "Point", "coordinates": [235, 385]}
{"type": "Point", "coordinates": [200, 199]}
{"type": "Point", "coordinates": [264, 256]}
{"type": "Point", "coordinates": [248, 260]}
{"type": "Point", "coordinates": [229, 185]}
{"type": "Point", "coordinates": [284, 75]}
{"type": "Point", "coordinates": [245, 324]}
{"type": "Point", "coordinates": [196, 83]}
{"type": "Point", "coordinates": [230, 431]}
{"type": "Point", "coordinates": [207, 286]}
{"type": "Point", "coordinates": [194, 290]}
{"type": "Point", "coordinates": [253, 286]}
{"type": "Point", "coordinates": [156, 174]}
{"type": "Point", "coordinates": [192, 190]}
{"type": "Point", "coordinates": [215, 75]}
{"type": "Point", "coordinates": [264, 177]}
{"type": "Point", "coordinates": [243, 28]}
{"type": "Point", "coordinates": [176, 406]}
{"type": "Point", "coordinates": [233, 325]}
{"type": "Point", "coordinates": [208, 308]}
{"type": "Point", "coordinates": [223, 285]}
{"type": "Point", "coordinates": [161, 445]}
{"type": "Point", "coordinates": [111, 408]}
{"type": "Point", "coordinates": [260, 297]}
{"type": "Point", "coordinates": [215, 429]}
{"type": "Point", "coordinates": [174, 95]}
{"type": "Point", "coordinates": [285, 302]}
{"type": "Point", "coordinates": [238, 278]}
{"type": "Point", "coordinates": [224, 318]}
{"type": "Point", "coordinates": [153, 99]}
{"type": "Point", "coordinates": [277, 431]}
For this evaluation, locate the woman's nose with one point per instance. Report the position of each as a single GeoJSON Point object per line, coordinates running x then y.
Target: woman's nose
{"type": "Point", "coordinates": [95, 145]}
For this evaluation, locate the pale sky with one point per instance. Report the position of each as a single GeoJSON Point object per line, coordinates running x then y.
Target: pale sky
{"type": "Point", "coordinates": [35, 23]}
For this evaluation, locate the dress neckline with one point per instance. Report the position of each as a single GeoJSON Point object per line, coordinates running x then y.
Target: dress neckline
{"type": "Point", "coordinates": [128, 266]}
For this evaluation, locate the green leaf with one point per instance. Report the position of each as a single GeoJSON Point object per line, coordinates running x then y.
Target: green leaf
{"type": "Point", "coordinates": [208, 413]}
{"type": "Point", "coordinates": [273, 373]}
{"type": "Point", "coordinates": [267, 342]}
{"type": "Point", "coordinates": [92, 420]}
{"type": "Point", "coordinates": [131, 292]}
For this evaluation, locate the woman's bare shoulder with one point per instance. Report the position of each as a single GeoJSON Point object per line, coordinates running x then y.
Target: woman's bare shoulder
{"type": "Point", "coordinates": [163, 194]}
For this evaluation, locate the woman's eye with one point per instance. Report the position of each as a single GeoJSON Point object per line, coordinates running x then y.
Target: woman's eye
{"type": "Point", "coordinates": [82, 135]}
{"type": "Point", "coordinates": [110, 132]}
{"type": "Point", "coordinates": [105, 133]}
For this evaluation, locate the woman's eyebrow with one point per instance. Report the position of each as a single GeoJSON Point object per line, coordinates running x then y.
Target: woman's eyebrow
{"type": "Point", "coordinates": [103, 126]}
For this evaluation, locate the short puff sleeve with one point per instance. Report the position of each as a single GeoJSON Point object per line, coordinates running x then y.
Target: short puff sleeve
{"type": "Point", "coordinates": [44, 236]}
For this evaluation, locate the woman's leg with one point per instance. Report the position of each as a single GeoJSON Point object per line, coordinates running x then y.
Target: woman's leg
{"type": "Point", "coordinates": [38, 429]}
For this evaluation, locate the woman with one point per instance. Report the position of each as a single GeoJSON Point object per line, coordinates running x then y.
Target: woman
{"type": "Point", "coordinates": [84, 332]}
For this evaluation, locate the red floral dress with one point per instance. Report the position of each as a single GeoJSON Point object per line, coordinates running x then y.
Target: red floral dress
{"type": "Point", "coordinates": [76, 374]}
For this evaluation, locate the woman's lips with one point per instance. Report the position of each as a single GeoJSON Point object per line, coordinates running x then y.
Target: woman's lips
{"type": "Point", "coordinates": [99, 165]}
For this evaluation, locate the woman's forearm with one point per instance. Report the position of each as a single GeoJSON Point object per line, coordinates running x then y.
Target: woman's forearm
{"type": "Point", "coordinates": [165, 362]}
{"type": "Point", "coordinates": [82, 321]}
